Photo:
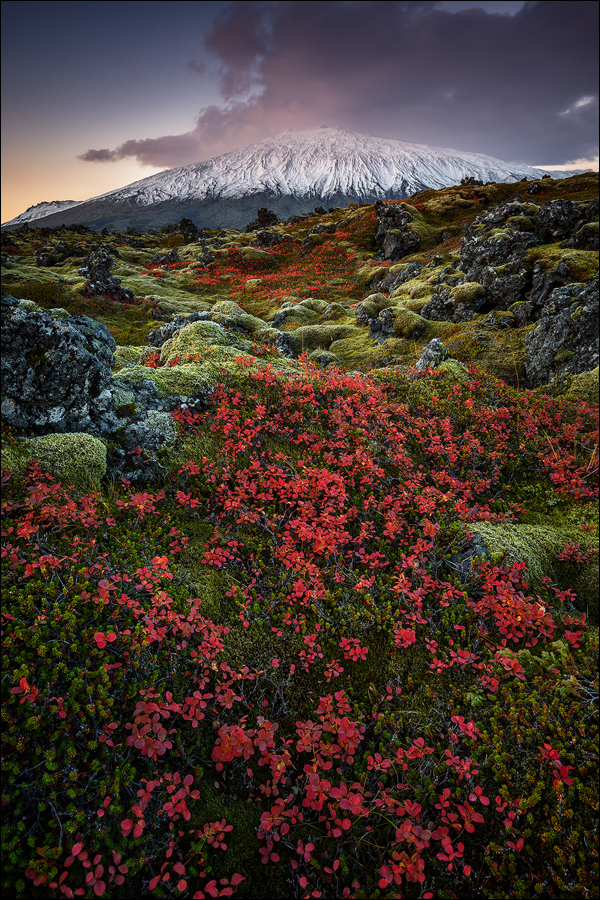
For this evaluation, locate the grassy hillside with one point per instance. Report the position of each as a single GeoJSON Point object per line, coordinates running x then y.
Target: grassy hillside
{"type": "Point", "coordinates": [346, 645]}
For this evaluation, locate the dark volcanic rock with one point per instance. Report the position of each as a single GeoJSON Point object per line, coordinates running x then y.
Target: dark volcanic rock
{"type": "Point", "coordinates": [165, 259]}
{"type": "Point", "coordinates": [158, 337]}
{"type": "Point", "coordinates": [266, 238]}
{"type": "Point", "coordinates": [189, 231]}
{"type": "Point", "coordinates": [565, 340]}
{"type": "Point", "coordinates": [56, 371]}
{"type": "Point", "coordinates": [324, 229]}
{"type": "Point", "coordinates": [432, 355]}
{"type": "Point", "coordinates": [394, 237]}
{"type": "Point", "coordinates": [584, 239]}
{"type": "Point", "coordinates": [545, 282]}
{"type": "Point", "coordinates": [391, 282]}
{"type": "Point", "coordinates": [559, 220]}
{"type": "Point", "coordinates": [505, 248]}
{"type": "Point", "coordinates": [96, 269]}
{"type": "Point", "coordinates": [503, 290]}
{"type": "Point", "coordinates": [55, 254]}
{"type": "Point", "coordinates": [265, 218]}
{"type": "Point", "coordinates": [440, 308]}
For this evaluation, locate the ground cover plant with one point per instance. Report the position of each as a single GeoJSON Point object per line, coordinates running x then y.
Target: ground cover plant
{"type": "Point", "coordinates": [299, 663]}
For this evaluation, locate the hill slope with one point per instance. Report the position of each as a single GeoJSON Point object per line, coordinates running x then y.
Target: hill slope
{"type": "Point", "coordinates": [282, 605]}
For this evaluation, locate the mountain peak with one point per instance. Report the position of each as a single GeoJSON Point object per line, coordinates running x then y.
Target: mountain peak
{"type": "Point", "coordinates": [290, 173]}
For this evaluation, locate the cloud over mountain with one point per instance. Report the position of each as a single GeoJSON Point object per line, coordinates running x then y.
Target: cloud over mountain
{"type": "Point", "coordinates": [522, 87]}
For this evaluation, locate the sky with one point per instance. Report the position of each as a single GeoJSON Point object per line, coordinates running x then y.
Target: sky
{"type": "Point", "coordinates": [96, 95]}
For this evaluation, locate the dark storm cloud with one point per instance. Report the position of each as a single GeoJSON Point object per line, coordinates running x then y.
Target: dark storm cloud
{"type": "Point", "coordinates": [168, 151]}
{"type": "Point", "coordinates": [520, 87]}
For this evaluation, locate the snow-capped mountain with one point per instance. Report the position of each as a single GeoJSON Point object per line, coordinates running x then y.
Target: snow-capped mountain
{"type": "Point", "coordinates": [289, 173]}
{"type": "Point", "coordinates": [40, 210]}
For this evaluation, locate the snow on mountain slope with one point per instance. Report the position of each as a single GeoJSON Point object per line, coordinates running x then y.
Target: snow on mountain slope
{"type": "Point", "coordinates": [320, 165]}
{"type": "Point", "coordinates": [47, 208]}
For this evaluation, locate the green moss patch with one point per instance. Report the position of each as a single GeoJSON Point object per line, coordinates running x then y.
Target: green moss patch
{"type": "Point", "coordinates": [77, 460]}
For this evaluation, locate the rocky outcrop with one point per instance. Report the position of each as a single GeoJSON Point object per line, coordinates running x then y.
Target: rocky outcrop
{"type": "Point", "coordinates": [392, 282]}
{"type": "Point", "coordinates": [56, 368]}
{"type": "Point", "coordinates": [565, 339]}
{"type": "Point", "coordinates": [56, 254]}
{"type": "Point", "coordinates": [394, 237]}
{"type": "Point", "coordinates": [189, 231]}
{"type": "Point", "coordinates": [165, 259]}
{"type": "Point", "coordinates": [96, 269]}
{"type": "Point", "coordinates": [516, 279]}
{"type": "Point", "coordinates": [158, 336]}
{"type": "Point", "coordinates": [56, 380]}
{"type": "Point", "coordinates": [265, 218]}
{"type": "Point", "coordinates": [458, 305]}
{"type": "Point", "coordinates": [432, 355]}
{"type": "Point", "coordinates": [560, 220]}
{"type": "Point", "coordinates": [503, 247]}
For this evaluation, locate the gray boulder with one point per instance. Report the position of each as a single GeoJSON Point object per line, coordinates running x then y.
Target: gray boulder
{"type": "Point", "coordinates": [394, 237]}
{"type": "Point", "coordinates": [55, 369]}
{"type": "Point", "coordinates": [505, 248]}
{"type": "Point", "coordinates": [565, 339]}
{"type": "Point", "coordinates": [160, 335]}
{"type": "Point", "coordinates": [432, 355]}
{"type": "Point", "coordinates": [440, 308]}
{"type": "Point", "coordinates": [96, 269]}
{"type": "Point", "coordinates": [503, 290]}
{"type": "Point", "coordinates": [544, 283]}
{"type": "Point", "coordinates": [391, 282]}
{"type": "Point", "coordinates": [559, 220]}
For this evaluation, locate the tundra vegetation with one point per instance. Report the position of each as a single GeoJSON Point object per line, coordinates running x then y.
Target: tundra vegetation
{"type": "Point", "coordinates": [346, 645]}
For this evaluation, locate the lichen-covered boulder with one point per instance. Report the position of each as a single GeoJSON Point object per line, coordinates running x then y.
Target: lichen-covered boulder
{"type": "Point", "coordinates": [440, 308]}
{"type": "Point", "coordinates": [565, 339]}
{"type": "Point", "coordinates": [127, 356]}
{"type": "Point", "coordinates": [502, 290]}
{"type": "Point", "coordinates": [295, 315]}
{"type": "Point", "coordinates": [583, 387]}
{"type": "Point", "coordinates": [55, 371]}
{"type": "Point", "coordinates": [468, 298]}
{"type": "Point", "coordinates": [559, 219]}
{"type": "Point", "coordinates": [514, 213]}
{"type": "Point", "coordinates": [395, 279]}
{"type": "Point", "coordinates": [432, 355]}
{"type": "Point", "coordinates": [315, 337]}
{"type": "Point", "coordinates": [500, 247]}
{"type": "Point", "coordinates": [370, 307]}
{"type": "Point", "coordinates": [459, 304]}
{"type": "Point", "coordinates": [399, 322]}
{"type": "Point", "coordinates": [77, 460]}
{"type": "Point", "coordinates": [194, 341]}
{"type": "Point", "coordinates": [230, 315]}
{"type": "Point", "coordinates": [96, 269]}
{"type": "Point", "coordinates": [159, 335]}
{"type": "Point", "coordinates": [334, 311]}
{"type": "Point", "coordinates": [165, 259]}
{"type": "Point", "coordinates": [394, 236]}
{"type": "Point", "coordinates": [551, 271]}
{"type": "Point", "coordinates": [584, 239]}
{"type": "Point", "coordinates": [179, 381]}
{"type": "Point", "coordinates": [324, 358]}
